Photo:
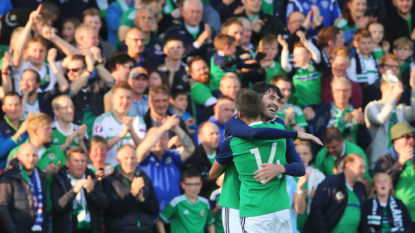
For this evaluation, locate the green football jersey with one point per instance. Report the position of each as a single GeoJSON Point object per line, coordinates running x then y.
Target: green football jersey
{"type": "Point", "coordinates": [307, 83]}
{"type": "Point", "coordinates": [273, 71]}
{"type": "Point", "coordinates": [325, 162]}
{"type": "Point", "coordinates": [127, 19]}
{"type": "Point", "coordinates": [405, 190]}
{"type": "Point", "coordinates": [230, 188]}
{"type": "Point", "coordinates": [298, 117]}
{"type": "Point", "coordinates": [216, 72]}
{"type": "Point", "coordinates": [215, 197]}
{"type": "Point", "coordinates": [350, 220]}
{"type": "Point", "coordinates": [248, 154]}
{"type": "Point", "coordinates": [186, 216]}
{"type": "Point", "coordinates": [59, 137]}
{"type": "Point", "coordinates": [343, 25]}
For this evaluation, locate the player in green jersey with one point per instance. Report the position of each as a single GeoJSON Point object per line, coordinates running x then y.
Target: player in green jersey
{"type": "Point", "coordinates": [188, 213]}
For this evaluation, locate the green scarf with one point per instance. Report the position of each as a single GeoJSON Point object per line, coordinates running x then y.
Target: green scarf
{"type": "Point", "coordinates": [80, 207]}
{"type": "Point", "coordinates": [339, 120]}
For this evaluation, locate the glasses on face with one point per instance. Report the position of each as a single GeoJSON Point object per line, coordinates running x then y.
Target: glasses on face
{"type": "Point", "coordinates": [389, 66]}
{"type": "Point", "coordinates": [408, 136]}
{"type": "Point", "coordinates": [67, 107]}
{"type": "Point", "coordinates": [128, 66]}
{"type": "Point", "coordinates": [74, 69]}
{"type": "Point", "coordinates": [193, 184]}
{"type": "Point", "coordinates": [301, 21]}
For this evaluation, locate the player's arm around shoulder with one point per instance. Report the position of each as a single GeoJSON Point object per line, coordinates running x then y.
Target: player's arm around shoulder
{"type": "Point", "coordinates": [222, 159]}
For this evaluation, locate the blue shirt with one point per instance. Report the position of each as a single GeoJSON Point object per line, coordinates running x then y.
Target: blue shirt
{"type": "Point", "coordinates": [139, 108]}
{"type": "Point", "coordinates": [329, 9]}
{"type": "Point", "coordinates": [184, 117]}
{"type": "Point", "coordinates": [114, 13]}
{"type": "Point", "coordinates": [291, 189]}
{"type": "Point", "coordinates": [165, 175]}
{"type": "Point", "coordinates": [5, 6]}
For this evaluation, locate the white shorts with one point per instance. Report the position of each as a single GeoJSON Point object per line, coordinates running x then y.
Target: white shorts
{"type": "Point", "coordinates": [277, 222]}
{"type": "Point", "coordinates": [230, 220]}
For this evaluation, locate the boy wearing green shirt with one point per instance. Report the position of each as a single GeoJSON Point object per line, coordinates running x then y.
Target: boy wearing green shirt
{"type": "Point", "coordinates": [269, 45]}
{"type": "Point", "coordinates": [188, 212]}
{"type": "Point", "coordinates": [304, 75]}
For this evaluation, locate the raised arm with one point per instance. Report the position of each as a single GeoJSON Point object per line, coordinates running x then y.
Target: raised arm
{"type": "Point", "coordinates": [103, 73]}
{"type": "Point", "coordinates": [315, 53]}
{"type": "Point", "coordinates": [222, 159]}
{"type": "Point", "coordinates": [60, 79]}
{"type": "Point", "coordinates": [19, 47]}
{"type": "Point", "coordinates": [284, 54]}
{"type": "Point", "coordinates": [5, 74]}
{"type": "Point", "coordinates": [77, 85]}
{"type": "Point", "coordinates": [188, 147]}
{"type": "Point", "coordinates": [151, 139]}
{"type": "Point", "coordinates": [410, 110]}
{"type": "Point", "coordinates": [68, 49]}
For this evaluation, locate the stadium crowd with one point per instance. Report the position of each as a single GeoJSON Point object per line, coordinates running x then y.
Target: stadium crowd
{"type": "Point", "coordinates": [115, 112]}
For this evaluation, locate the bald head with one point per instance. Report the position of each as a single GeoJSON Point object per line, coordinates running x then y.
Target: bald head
{"type": "Point", "coordinates": [135, 41]}
{"type": "Point", "coordinates": [27, 156]}
{"type": "Point", "coordinates": [209, 135]}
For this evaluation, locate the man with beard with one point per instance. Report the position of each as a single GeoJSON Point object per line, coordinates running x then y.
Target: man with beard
{"type": "Point", "coordinates": [200, 92]}
{"type": "Point", "coordinates": [400, 23]}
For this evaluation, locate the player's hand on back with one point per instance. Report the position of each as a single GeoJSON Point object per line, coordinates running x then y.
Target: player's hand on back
{"type": "Point", "coordinates": [268, 172]}
{"type": "Point", "coordinates": [309, 137]}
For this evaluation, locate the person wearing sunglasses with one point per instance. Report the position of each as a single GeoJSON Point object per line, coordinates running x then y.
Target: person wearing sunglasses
{"type": "Point", "coordinates": [398, 163]}
{"type": "Point", "coordinates": [381, 115]}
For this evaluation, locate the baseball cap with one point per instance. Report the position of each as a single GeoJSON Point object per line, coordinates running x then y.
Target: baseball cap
{"type": "Point", "coordinates": [400, 129]}
{"type": "Point", "coordinates": [11, 20]}
{"type": "Point", "coordinates": [137, 71]}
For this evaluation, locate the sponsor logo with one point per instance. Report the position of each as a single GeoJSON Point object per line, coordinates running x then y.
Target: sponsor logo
{"type": "Point", "coordinates": [186, 212]}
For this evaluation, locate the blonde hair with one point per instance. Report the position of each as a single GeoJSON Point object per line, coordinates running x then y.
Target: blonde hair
{"type": "Point", "coordinates": [402, 42]}
{"type": "Point", "coordinates": [55, 101]}
{"type": "Point", "coordinates": [228, 76]}
{"type": "Point", "coordinates": [269, 39]}
{"type": "Point", "coordinates": [372, 192]}
{"type": "Point", "coordinates": [36, 121]}
{"type": "Point", "coordinates": [341, 80]}
{"type": "Point", "coordinates": [82, 30]}
{"type": "Point", "coordinates": [222, 40]}
{"type": "Point", "coordinates": [298, 142]}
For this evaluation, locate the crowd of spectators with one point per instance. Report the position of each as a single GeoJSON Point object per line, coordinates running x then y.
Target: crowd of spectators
{"type": "Point", "coordinates": [115, 110]}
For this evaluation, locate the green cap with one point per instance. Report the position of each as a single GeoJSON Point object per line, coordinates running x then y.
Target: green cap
{"type": "Point", "coordinates": [400, 129]}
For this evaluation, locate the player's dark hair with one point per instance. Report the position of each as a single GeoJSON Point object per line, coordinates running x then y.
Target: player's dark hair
{"type": "Point", "coordinates": [176, 92]}
{"type": "Point", "coordinates": [119, 58]}
{"type": "Point", "coordinates": [263, 88]}
{"type": "Point", "coordinates": [249, 103]}
{"type": "Point", "coordinates": [190, 173]}
{"type": "Point", "coordinates": [11, 94]}
{"type": "Point", "coordinates": [331, 134]}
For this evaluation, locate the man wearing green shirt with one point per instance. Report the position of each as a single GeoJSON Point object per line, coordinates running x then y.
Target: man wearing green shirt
{"type": "Point", "coordinates": [336, 147]}
{"type": "Point", "coordinates": [292, 115]}
{"type": "Point", "coordinates": [39, 129]}
{"type": "Point", "coordinates": [65, 133]}
{"type": "Point", "coordinates": [336, 206]}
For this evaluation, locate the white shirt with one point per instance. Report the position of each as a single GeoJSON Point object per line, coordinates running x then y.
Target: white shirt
{"type": "Point", "coordinates": [17, 73]}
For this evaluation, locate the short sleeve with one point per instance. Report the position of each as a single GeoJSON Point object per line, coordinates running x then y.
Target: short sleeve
{"type": "Point", "coordinates": [341, 23]}
{"type": "Point", "coordinates": [225, 153]}
{"type": "Point", "coordinates": [127, 18]}
{"type": "Point", "coordinates": [210, 218]}
{"type": "Point", "coordinates": [299, 117]}
{"type": "Point", "coordinates": [140, 127]}
{"type": "Point", "coordinates": [200, 93]}
{"type": "Point", "coordinates": [167, 213]}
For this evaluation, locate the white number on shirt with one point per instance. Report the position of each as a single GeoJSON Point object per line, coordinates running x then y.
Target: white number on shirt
{"type": "Point", "coordinates": [258, 159]}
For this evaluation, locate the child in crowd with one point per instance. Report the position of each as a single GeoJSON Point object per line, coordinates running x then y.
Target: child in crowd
{"type": "Point", "coordinates": [380, 46]}
{"type": "Point", "coordinates": [179, 102]}
{"type": "Point", "coordinates": [217, 211]}
{"type": "Point", "coordinates": [269, 45]}
{"type": "Point", "coordinates": [305, 77]}
{"type": "Point", "coordinates": [188, 211]}
{"type": "Point", "coordinates": [44, 21]}
{"type": "Point", "coordinates": [382, 211]}
{"type": "Point", "coordinates": [306, 185]}
{"type": "Point", "coordinates": [68, 30]}
{"type": "Point", "coordinates": [338, 166]}
{"type": "Point", "coordinates": [403, 49]}
{"type": "Point", "coordinates": [363, 65]}
{"type": "Point", "coordinates": [224, 59]}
